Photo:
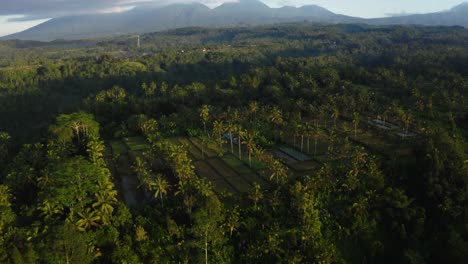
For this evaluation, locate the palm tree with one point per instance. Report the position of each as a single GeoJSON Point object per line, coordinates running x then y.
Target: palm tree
{"type": "Point", "coordinates": [276, 117]}
{"type": "Point", "coordinates": [253, 109]}
{"type": "Point", "coordinates": [204, 115]}
{"type": "Point", "coordinates": [293, 126]}
{"type": "Point", "coordinates": [308, 130]}
{"type": "Point", "coordinates": [302, 131]}
{"type": "Point", "coordinates": [218, 129]}
{"type": "Point", "coordinates": [256, 195]}
{"type": "Point", "coordinates": [204, 141]}
{"type": "Point", "coordinates": [88, 220]}
{"type": "Point", "coordinates": [278, 171]}
{"type": "Point", "coordinates": [355, 122]}
{"type": "Point", "coordinates": [230, 127]}
{"type": "Point", "coordinates": [95, 149]}
{"type": "Point", "coordinates": [317, 132]}
{"type": "Point", "coordinates": [250, 143]}
{"type": "Point", "coordinates": [161, 187]}
{"type": "Point", "coordinates": [335, 114]}
{"type": "Point", "coordinates": [105, 201]}
{"type": "Point", "coordinates": [240, 136]}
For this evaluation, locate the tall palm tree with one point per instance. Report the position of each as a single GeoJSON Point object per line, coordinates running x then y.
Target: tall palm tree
{"type": "Point", "coordinates": [250, 144]}
{"type": "Point", "coordinates": [205, 115]}
{"type": "Point", "coordinates": [276, 117]}
{"type": "Point", "coordinates": [106, 198]}
{"type": "Point", "coordinates": [88, 219]}
{"type": "Point", "coordinates": [335, 114]}
{"type": "Point", "coordinates": [302, 131]}
{"type": "Point", "coordinates": [218, 129]}
{"type": "Point", "coordinates": [317, 132]}
{"type": "Point", "coordinates": [253, 109]}
{"type": "Point", "coordinates": [240, 136]}
{"type": "Point", "coordinates": [355, 123]}
{"type": "Point", "coordinates": [161, 187]}
{"type": "Point", "coordinates": [308, 130]}
{"type": "Point", "coordinates": [230, 127]}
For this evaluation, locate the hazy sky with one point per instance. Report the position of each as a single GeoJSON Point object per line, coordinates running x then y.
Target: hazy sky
{"type": "Point", "coordinates": [17, 15]}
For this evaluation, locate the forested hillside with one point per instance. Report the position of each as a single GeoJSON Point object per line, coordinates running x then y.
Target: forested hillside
{"type": "Point", "coordinates": [293, 143]}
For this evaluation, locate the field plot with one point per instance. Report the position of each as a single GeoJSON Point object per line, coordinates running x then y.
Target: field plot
{"type": "Point", "coordinates": [209, 153]}
{"type": "Point", "coordinates": [239, 184]}
{"type": "Point", "coordinates": [222, 168]}
{"type": "Point", "coordinates": [376, 143]}
{"type": "Point", "coordinates": [305, 166]}
{"type": "Point", "coordinates": [295, 154]}
{"type": "Point", "coordinates": [118, 147]}
{"type": "Point", "coordinates": [223, 186]}
{"type": "Point", "coordinates": [136, 143]}
{"type": "Point", "coordinates": [203, 169]}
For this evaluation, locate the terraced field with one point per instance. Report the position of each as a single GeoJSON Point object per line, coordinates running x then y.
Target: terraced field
{"type": "Point", "coordinates": [124, 151]}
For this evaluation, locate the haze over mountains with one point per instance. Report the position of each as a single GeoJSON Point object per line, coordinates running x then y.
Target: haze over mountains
{"type": "Point", "coordinates": [245, 12]}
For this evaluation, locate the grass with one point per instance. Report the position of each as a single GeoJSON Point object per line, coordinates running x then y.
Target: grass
{"type": "Point", "coordinates": [222, 168]}
{"type": "Point", "coordinates": [236, 164]}
{"type": "Point", "coordinates": [136, 143]}
{"type": "Point", "coordinates": [192, 149]}
{"type": "Point", "coordinates": [305, 166]}
{"type": "Point", "coordinates": [204, 170]}
{"type": "Point", "coordinates": [254, 178]}
{"type": "Point", "coordinates": [239, 184]}
{"type": "Point", "coordinates": [284, 157]}
{"type": "Point", "coordinates": [222, 185]}
{"type": "Point", "coordinates": [295, 154]}
{"type": "Point", "coordinates": [118, 147]}
{"type": "Point", "coordinates": [210, 153]}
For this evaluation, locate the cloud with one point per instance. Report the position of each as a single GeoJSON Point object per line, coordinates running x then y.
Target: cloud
{"type": "Point", "coordinates": [39, 9]}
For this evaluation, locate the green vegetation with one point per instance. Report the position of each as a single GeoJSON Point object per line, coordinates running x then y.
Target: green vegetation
{"type": "Point", "coordinates": [285, 144]}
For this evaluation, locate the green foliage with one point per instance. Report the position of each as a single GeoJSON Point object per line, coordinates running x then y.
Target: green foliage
{"type": "Point", "coordinates": [307, 144]}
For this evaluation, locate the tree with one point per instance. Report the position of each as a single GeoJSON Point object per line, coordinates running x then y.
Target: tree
{"type": "Point", "coordinates": [276, 117]}
{"type": "Point", "coordinates": [7, 216]}
{"type": "Point", "coordinates": [256, 195]}
{"type": "Point", "coordinates": [233, 219]}
{"type": "Point", "coordinates": [69, 246]}
{"type": "Point", "coordinates": [250, 144]}
{"type": "Point", "coordinates": [160, 187]}
{"type": "Point", "coordinates": [240, 136]}
{"type": "Point", "coordinates": [231, 127]}
{"type": "Point", "coordinates": [253, 109]}
{"type": "Point", "coordinates": [355, 123]}
{"type": "Point", "coordinates": [72, 185]}
{"type": "Point", "coordinates": [207, 230]}
{"type": "Point", "coordinates": [106, 199]}
{"type": "Point", "coordinates": [5, 139]}
{"type": "Point", "coordinates": [88, 219]}
{"type": "Point", "coordinates": [335, 114]}
{"type": "Point", "coordinates": [205, 116]}
{"type": "Point", "coordinates": [218, 130]}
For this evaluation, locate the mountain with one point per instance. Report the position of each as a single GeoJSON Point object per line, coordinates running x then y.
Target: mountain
{"type": "Point", "coordinates": [457, 16]}
{"type": "Point", "coordinates": [245, 12]}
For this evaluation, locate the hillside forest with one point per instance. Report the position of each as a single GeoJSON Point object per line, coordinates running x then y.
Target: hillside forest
{"type": "Point", "coordinates": [292, 143]}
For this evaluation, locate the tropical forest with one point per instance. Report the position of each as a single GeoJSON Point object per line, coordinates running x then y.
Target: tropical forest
{"type": "Point", "coordinates": [286, 143]}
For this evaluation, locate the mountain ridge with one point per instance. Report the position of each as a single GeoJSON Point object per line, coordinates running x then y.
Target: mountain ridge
{"type": "Point", "coordinates": [244, 12]}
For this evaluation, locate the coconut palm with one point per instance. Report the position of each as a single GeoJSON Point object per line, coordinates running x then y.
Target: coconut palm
{"type": "Point", "coordinates": [218, 130]}
{"type": "Point", "coordinates": [253, 109]}
{"type": "Point", "coordinates": [240, 136]}
{"type": "Point", "coordinates": [204, 115]}
{"type": "Point", "coordinates": [88, 219]}
{"type": "Point", "coordinates": [230, 126]}
{"type": "Point", "coordinates": [161, 187]}
{"type": "Point", "coordinates": [355, 122]}
{"type": "Point", "coordinates": [276, 117]}
{"type": "Point", "coordinates": [250, 144]}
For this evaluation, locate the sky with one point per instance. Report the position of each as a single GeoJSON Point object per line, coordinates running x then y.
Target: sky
{"type": "Point", "coordinates": [18, 15]}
